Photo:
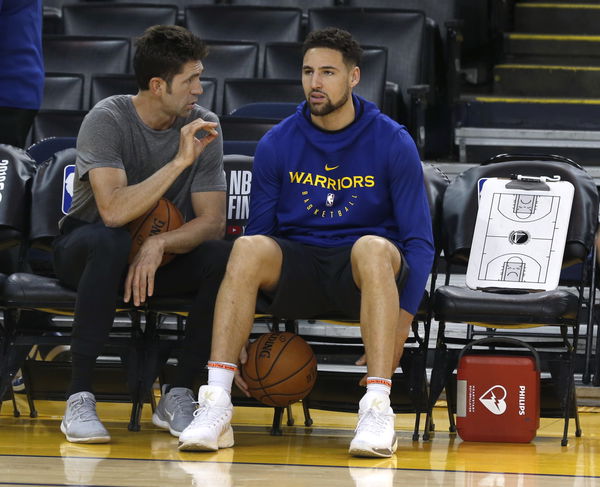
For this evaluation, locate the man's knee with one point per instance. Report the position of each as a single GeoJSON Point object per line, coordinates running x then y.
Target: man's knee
{"type": "Point", "coordinates": [254, 254]}
{"type": "Point", "coordinates": [110, 244]}
{"type": "Point", "coordinates": [372, 253]}
{"type": "Point", "coordinates": [372, 248]}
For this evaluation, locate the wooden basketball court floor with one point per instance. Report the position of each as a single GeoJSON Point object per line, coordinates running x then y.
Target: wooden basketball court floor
{"type": "Point", "coordinates": [33, 452]}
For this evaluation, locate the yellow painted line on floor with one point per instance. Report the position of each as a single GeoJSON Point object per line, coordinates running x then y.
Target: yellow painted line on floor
{"type": "Point", "coordinates": [550, 37]}
{"type": "Point", "coordinates": [547, 66]}
{"type": "Point", "coordinates": [570, 101]}
{"type": "Point", "coordinates": [559, 5]}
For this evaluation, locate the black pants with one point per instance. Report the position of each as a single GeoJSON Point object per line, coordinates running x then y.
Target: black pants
{"type": "Point", "coordinates": [92, 258]}
{"type": "Point", "coordinates": [15, 124]}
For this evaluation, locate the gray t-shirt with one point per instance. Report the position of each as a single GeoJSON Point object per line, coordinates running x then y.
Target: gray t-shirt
{"type": "Point", "coordinates": [113, 135]}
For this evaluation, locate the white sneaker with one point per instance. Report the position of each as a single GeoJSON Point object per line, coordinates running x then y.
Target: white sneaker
{"type": "Point", "coordinates": [211, 427]}
{"type": "Point", "coordinates": [375, 435]}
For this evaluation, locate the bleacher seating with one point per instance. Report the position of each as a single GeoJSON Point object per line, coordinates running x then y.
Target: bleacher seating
{"type": "Point", "coordinates": [63, 91]}
{"type": "Point", "coordinates": [276, 110]}
{"type": "Point", "coordinates": [120, 20]}
{"type": "Point", "coordinates": [86, 56]}
{"type": "Point", "coordinates": [105, 85]}
{"type": "Point", "coordinates": [240, 92]}
{"type": "Point", "coordinates": [240, 23]}
{"type": "Point", "coordinates": [57, 123]}
{"type": "Point", "coordinates": [229, 59]}
{"type": "Point", "coordinates": [305, 5]}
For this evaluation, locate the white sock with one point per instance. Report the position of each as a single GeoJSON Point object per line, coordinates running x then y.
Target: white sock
{"type": "Point", "coordinates": [379, 384]}
{"type": "Point", "coordinates": [221, 374]}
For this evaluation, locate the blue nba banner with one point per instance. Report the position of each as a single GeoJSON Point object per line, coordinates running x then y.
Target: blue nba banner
{"type": "Point", "coordinates": [68, 177]}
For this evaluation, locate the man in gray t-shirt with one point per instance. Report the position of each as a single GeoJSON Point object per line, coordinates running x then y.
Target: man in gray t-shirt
{"type": "Point", "coordinates": [131, 151]}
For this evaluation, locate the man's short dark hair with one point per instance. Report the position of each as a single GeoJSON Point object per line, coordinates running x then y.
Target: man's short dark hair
{"type": "Point", "coordinates": [162, 50]}
{"type": "Point", "coordinates": [337, 39]}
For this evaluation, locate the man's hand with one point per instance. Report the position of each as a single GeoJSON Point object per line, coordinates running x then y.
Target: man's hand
{"type": "Point", "coordinates": [140, 277]}
{"type": "Point", "coordinates": [363, 361]}
{"type": "Point", "coordinates": [239, 381]}
{"type": "Point", "coordinates": [190, 147]}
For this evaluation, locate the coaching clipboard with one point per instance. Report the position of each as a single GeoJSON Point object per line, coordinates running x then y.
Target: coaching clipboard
{"type": "Point", "coordinates": [520, 233]}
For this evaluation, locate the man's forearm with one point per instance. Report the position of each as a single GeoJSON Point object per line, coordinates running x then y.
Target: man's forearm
{"type": "Point", "coordinates": [124, 204]}
{"type": "Point", "coordinates": [191, 234]}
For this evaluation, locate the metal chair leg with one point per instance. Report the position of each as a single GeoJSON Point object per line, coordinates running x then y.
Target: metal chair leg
{"type": "Point", "coordinates": [276, 426]}
{"type": "Point", "coordinates": [306, 408]}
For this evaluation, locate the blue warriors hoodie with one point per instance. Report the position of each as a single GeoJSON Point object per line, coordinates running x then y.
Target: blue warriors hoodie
{"type": "Point", "coordinates": [330, 188]}
{"type": "Point", "coordinates": [21, 63]}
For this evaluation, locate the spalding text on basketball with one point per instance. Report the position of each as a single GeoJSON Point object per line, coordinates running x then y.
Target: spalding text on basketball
{"type": "Point", "coordinates": [156, 228]}
{"type": "Point", "coordinates": [265, 351]}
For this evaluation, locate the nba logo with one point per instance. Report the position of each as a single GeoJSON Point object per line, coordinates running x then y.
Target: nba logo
{"type": "Point", "coordinates": [67, 194]}
{"type": "Point", "coordinates": [329, 200]}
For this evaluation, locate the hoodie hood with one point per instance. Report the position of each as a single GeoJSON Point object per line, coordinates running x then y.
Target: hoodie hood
{"type": "Point", "coordinates": [334, 141]}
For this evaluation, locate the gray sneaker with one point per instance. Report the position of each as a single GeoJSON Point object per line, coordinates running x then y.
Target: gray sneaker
{"type": "Point", "coordinates": [175, 410]}
{"type": "Point", "coordinates": [80, 423]}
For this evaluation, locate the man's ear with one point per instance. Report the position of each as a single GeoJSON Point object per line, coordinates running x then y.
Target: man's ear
{"type": "Point", "coordinates": [355, 76]}
{"type": "Point", "coordinates": [156, 85]}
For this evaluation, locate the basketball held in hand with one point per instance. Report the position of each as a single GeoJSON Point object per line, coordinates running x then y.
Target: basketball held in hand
{"type": "Point", "coordinates": [281, 369]}
{"type": "Point", "coordinates": [163, 217]}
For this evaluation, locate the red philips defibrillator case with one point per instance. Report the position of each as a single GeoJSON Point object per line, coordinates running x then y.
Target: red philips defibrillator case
{"type": "Point", "coordinates": [498, 396]}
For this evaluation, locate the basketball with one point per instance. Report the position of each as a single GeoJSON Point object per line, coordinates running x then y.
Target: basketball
{"type": "Point", "coordinates": [281, 369]}
{"type": "Point", "coordinates": [163, 217]}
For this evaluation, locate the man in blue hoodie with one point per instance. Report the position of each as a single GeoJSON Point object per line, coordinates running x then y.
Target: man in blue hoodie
{"type": "Point", "coordinates": [339, 223]}
{"type": "Point", "coordinates": [21, 68]}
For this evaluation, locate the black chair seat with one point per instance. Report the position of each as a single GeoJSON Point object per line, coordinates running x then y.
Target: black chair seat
{"type": "Point", "coordinates": [452, 303]}
{"type": "Point", "coordinates": [170, 304]}
{"type": "Point", "coordinates": [25, 290]}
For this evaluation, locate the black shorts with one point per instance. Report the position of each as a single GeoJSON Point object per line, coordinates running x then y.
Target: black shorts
{"type": "Point", "coordinates": [316, 282]}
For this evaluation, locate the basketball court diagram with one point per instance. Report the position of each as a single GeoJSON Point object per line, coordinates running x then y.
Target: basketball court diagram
{"type": "Point", "coordinates": [519, 236]}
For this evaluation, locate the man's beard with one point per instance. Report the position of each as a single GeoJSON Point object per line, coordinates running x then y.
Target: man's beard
{"type": "Point", "coordinates": [327, 107]}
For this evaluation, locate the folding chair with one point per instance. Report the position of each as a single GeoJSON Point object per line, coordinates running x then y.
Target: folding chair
{"type": "Point", "coordinates": [46, 148]}
{"type": "Point", "coordinates": [229, 59]}
{"type": "Point", "coordinates": [505, 312]}
{"type": "Point", "coordinates": [240, 92]}
{"type": "Point", "coordinates": [63, 91]}
{"type": "Point", "coordinates": [26, 291]}
{"type": "Point", "coordinates": [57, 123]}
{"type": "Point", "coordinates": [17, 169]}
{"type": "Point", "coordinates": [241, 134]}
